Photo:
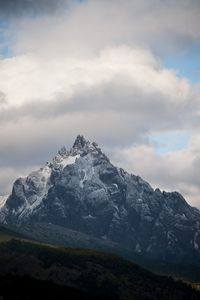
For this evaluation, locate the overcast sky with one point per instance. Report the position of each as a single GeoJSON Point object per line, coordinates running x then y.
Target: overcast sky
{"type": "Point", "coordinates": [125, 73]}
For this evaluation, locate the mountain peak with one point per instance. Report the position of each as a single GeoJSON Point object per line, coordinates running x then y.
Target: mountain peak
{"type": "Point", "coordinates": [80, 142]}
{"type": "Point", "coordinates": [81, 145]}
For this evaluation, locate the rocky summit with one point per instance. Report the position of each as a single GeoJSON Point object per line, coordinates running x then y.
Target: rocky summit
{"type": "Point", "coordinates": [81, 189]}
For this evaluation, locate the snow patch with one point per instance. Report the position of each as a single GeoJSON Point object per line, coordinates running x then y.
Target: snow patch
{"type": "Point", "coordinates": [89, 217]}
{"type": "Point", "coordinates": [137, 248]}
{"type": "Point", "coordinates": [41, 180]}
{"type": "Point", "coordinates": [62, 160]}
{"type": "Point", "coordinates": [82, 180]}
{"type": "Point", "coordinates": [70, 160]}
{"type": "Point", "coordinates": [196, 246]}
{"type": "Point", "coordinates": [3, 200]}
{"type": "Point", "coordinates": [86, 166]}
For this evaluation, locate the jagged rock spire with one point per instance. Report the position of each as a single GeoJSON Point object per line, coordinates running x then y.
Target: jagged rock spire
{"type": "Point", "coordinates": [81, 145]}
{"type": "Point", "coordinates": [80, 142]}
{"type": "Point", "coordinates": [63, 151]}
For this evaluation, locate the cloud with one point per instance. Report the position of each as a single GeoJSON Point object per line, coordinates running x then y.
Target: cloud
{"type": "Point", "coordinates": [84, 29]}
{"type": "Point", "coordinates": [2, 98]}
{"type": "Point", "coordinates": [171, 171]}
{"type": "Point", "coordinates": [95, 67]}
{"type": "Point", "coordinates": [127, 86]}
{"type": "Point", "coordinates": [120, 79]}
{"type": "Point", "coordinates": [18, 8]}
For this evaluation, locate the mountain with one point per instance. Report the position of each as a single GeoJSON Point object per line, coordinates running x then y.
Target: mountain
{"type": "Point", "coordinates": [28, 269]}
{"type": "Point", "coordinates": [82, 190]}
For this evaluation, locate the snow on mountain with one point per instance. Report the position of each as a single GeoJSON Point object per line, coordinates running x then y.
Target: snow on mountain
{"type": "Point", "coordinates": [3, 200]}
{"type": "Point", "coordinates": [80, 189]}
{"type": "Point", "coordinates": [34, 188]}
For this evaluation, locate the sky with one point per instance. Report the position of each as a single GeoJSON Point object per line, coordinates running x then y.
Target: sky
{"type": "Point", "coordinates": [124, 73]}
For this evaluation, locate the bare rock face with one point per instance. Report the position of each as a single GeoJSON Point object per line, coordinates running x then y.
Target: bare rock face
{"type": "Point", "coordinates": [82, 190]}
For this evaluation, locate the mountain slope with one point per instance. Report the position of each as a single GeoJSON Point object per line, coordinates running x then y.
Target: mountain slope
{"type": "Point", "coordinates": [82, 190]}
{"type": "Point", "coordinates": [102, 275]}
{"type": "Point", "coordinates": [7, 234]}
{"type": "Point", "coordinates": [60, 236]}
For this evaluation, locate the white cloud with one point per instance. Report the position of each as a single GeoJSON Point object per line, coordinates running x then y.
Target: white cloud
{"type": "Point", "coordinates": [170, 171]}
{"type": "Point", "coordinates": [26, 79]}
{"type": "Point", "coordinates": [95, 69]}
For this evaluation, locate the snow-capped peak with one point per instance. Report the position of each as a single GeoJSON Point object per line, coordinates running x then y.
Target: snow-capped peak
{"type": "Point", "coordinates": [40, 182]}
{"type": "Point", "coordinates": [81, 189]}
{"type": "Point", "coordinates": [80, 142]}
{"type": "Point", "coordinates": [83, 146]}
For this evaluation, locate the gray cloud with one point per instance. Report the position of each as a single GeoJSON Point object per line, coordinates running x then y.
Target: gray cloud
{"type": "Point", "coordinates": [148, 110]}
{"type": "Point", "coordinates": [17, 8]}
{"type": "Point", "coordinates": [114, 113]}
{"type": "Point", "coordinates": [2, 98]}
{"type": "Point", "coordinates": [164, 26]}
{"type": "Point", "coordinates": [89, 72]}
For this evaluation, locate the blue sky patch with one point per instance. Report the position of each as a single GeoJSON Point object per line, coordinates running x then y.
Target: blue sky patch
{"type": "Point", "coordinates": [5, 40]}
{"type": "Point", "coordinates": [169, 142]}
{"type": "Point", "coordinates": [187, 64]}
